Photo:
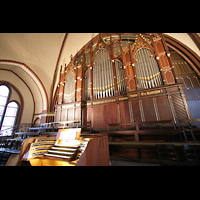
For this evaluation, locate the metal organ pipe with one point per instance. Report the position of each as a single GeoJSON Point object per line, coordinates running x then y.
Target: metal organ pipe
{"type": "Point", "coordinates": [105, 63]}
{"type": "Point", "coordinates": [155, 71]}
{"type": "Point", "coordinates": [143, 76]}
{"type": "Point", "coordinates": [144, 68]}
{"type": "Point", "coordinates": [87, 85]}
{"type": "Point", "coordinates": [147, 69]}
{"type": "Point", "coordinates": [94, 81]}
{"type": "Point", "coordinates": [98, 77]}
{"type": "Point", "coordinates": [111, 77]}
{"type": "Point", "coordinates": [137, 68]}
{"type": "Point", "coordinates": [143, 71]}
{"type": "Point", "coordinates": [153, 78]}
{"type": "Point", "coordinates": [107, 75]}
{"type": "Point", "coordinates": [120, 77]}
{"type": "Point", "coordinates": [102, 75]}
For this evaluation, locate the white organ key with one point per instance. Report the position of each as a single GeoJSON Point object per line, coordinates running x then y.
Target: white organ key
{"type": "Point", "coordinates": [61, 152]}
{"type": "Point", "coordinates": [55, 155]}
{"type": "Point", "coordinates": [64, 149]}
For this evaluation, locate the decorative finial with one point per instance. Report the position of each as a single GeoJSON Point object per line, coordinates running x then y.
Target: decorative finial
{"type": "Point", "coordinates": [71, 57]}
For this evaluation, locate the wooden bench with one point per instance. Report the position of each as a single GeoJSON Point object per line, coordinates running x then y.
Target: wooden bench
{"type": "Point", "coordinates": [136, 125]}
{"type": "Point", "coordinates": [189, 130]}
{"type": "Point", "coordinates": [144, 145]}
{"type": "Point", "coordinates": [192, 153]}
{"type": "Point", "coordinates": [150, 132]}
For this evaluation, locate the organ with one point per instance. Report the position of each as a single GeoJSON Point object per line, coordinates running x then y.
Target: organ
{"type": "Point", "coordinates": [120, 78]}
{"type": "Point", "coordinates": [68, 148]}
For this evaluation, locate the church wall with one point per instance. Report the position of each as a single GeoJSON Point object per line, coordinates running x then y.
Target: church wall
{"type": "Point", "coordinates": [27, 113]}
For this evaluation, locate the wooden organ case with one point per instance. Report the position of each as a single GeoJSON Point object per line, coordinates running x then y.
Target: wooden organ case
{"type": "Point", "coordinates": [120, 78]}
{"type": "Point", "coordinates": [67, 149]}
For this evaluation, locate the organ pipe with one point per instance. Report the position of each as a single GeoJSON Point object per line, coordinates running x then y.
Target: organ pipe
{"type": "Point", "coordinates": [148, 74]}
{"type": "Point", "coordinates": [87, 85]}
{"type": "Point", "coordinates": [146, 68]}
{"type": "Point", "coordinates": [69, 89]}
{"type": "Point", "coordinates": [103, 81]}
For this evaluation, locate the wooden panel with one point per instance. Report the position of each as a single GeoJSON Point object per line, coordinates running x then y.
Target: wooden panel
{"type": "Point", "coordinates": [195, 113]}
{"type": "Point", "coordinates": [104, 114]}
{"type": "Point", "coordinates": [64, 114]}
{"type": "Point", "coordinates": [136, 110]}
{"type": "Point", "coordinates": [80, 72]}
{"type": "Point", "coordinates": [164, 61]}
{"type": "Point", "coordinates": [58, 113]}
{"type": "Point", "coordinates": [130, 70]}
{"type": "Point", "coordinates": [159, 45]}
{"type": "Point", "coordinates": [127, 57]}
{"type": "Point", "coordinates": [111, 114]}
{"type": "Point", "coordinates": [148, 107]}
{"type": "Point", "coordinates": [89, 114]}
{"type": "Point", "coordinates": [164, 109]}
{"type": "Point", "coordinates": [97, 151]}
{"type": "Point", "coordinates": [131, 84]}
{"type": "Point", "coordinates": [98, 117]}
{"type": "Point", "coordinates": [179, 107]}
{"type": "Point", "coordinates": [79, 90]}
{"type": "Point", "coordinates": [124, 112]}
{"type": "Point", "coordinates": [169, 77]}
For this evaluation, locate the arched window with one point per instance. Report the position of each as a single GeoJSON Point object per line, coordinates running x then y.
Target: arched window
{"type": "Point", "coordinates": [8, 111]}
{"type": "Point", "coordinates": [9, 118]}
{"type": "Point", "coordinates": [4, 93]}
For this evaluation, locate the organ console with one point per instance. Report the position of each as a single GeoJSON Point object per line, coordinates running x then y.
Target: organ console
{"type": "Point", "coordinates": [68, 148]}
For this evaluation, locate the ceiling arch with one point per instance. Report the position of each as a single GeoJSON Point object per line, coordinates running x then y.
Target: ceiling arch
{"type": "Point", "coordinates": [30, 78]}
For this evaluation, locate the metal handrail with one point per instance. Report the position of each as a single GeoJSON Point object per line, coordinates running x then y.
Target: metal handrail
{"type": "Point", "coordinates": [14, 129]}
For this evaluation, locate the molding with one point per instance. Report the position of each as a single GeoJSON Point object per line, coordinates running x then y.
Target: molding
{"type": "Point", "coordinates": [21, 105]}
{"type": "Point", "coordinates": [26, 86]}
{"type": "Point", "coordinates": [51, 107]}
{"type": "Point", "coordinates": [44, 114]}
{"type": "Point", "coordinates": [188, 54]}
{"type": "Point", "coordinates": [196, 39]}
{"type": "Point", "coordinates": [33, 76]}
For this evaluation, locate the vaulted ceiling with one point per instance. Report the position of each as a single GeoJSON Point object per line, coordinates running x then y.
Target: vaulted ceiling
{"type": "Point", "coordinates": [36, 55]}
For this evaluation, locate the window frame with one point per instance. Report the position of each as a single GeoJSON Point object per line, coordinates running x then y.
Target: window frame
{"type": "Point", "coordinates": [5, 108]}
{"type": "Point", "coordinates": [8, 97]}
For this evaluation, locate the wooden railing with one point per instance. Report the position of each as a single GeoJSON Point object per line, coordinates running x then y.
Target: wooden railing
{"type": "Point", "coordinates": [137, 124]}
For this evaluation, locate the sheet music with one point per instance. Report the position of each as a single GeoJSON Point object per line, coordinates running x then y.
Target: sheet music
{"type": "Point", "coordinates": [69, 134]}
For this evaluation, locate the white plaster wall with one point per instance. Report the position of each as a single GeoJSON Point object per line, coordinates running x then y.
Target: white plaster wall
{"type": "Point", "coordinates": [28, 99]}
{"type": "Point", "coordinates": [185, 39]}
{"type": "Point", "coordinates": [73, 43]}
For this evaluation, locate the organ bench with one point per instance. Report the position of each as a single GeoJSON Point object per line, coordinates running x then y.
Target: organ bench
{"type": "Point", "coordinates": [68, 148]}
